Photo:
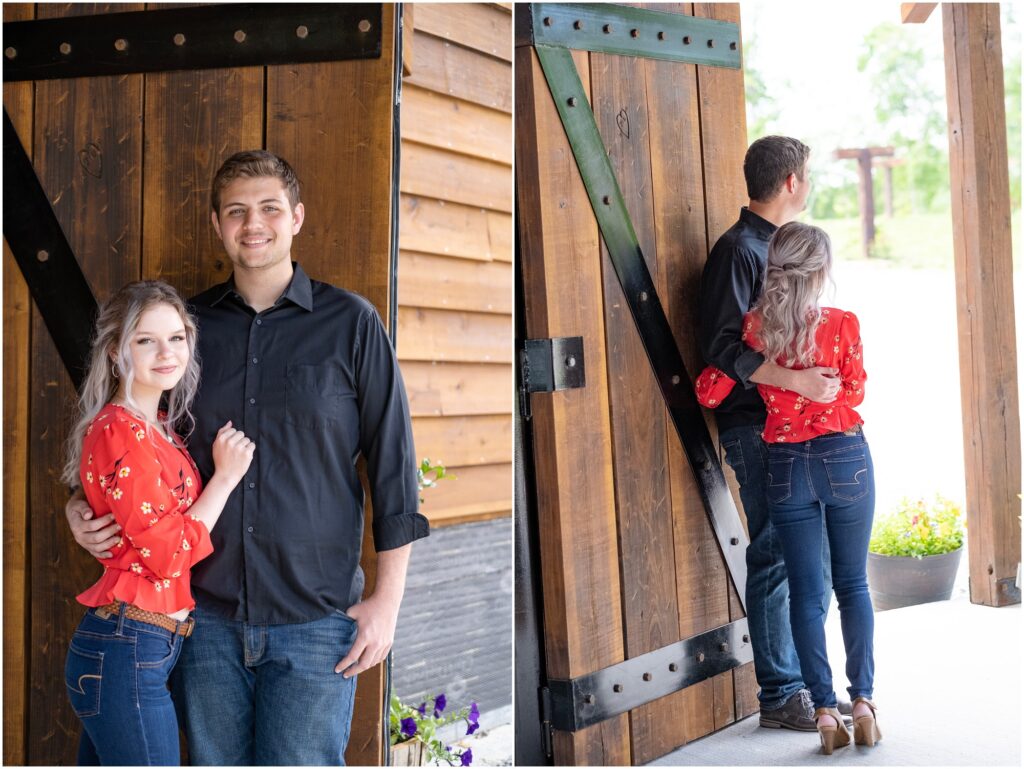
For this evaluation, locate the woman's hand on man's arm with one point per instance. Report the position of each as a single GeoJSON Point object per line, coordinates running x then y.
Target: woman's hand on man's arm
{"type": "Point", "coordinates": [819, 384]}
{"type": "Point", "coordinates": [96, 536]}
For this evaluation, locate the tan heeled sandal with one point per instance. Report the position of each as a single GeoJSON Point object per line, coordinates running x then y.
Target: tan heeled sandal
{"type": "Point", "coordinates": [865, 728]}
{"type": "Point", "coordinates": [832, 736]}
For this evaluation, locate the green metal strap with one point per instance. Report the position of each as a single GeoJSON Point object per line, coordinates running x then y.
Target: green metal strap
{"type": "Point", "coordinates": [636, 32]}
{"type": "Point", "coordinates": [648, 314]}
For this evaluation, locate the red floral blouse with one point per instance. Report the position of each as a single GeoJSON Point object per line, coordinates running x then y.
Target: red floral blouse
{"type": "Point", "coordinates": [149, 484]}
{"type": "Point", "coordinates": [791, 417]}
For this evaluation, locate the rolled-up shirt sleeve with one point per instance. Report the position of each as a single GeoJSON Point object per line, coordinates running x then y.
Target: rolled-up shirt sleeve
{"type": "Point", "coordinates": [728, 282]}
{"type": "Point", "coordinates": [385, 437]}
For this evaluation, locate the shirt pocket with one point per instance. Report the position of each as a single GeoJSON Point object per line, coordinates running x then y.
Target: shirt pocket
{"type": "Point", "coordinates": [316, 394]}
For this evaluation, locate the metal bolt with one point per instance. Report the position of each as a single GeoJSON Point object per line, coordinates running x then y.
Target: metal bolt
{"type": "Point", "coordinates": [643, 296]}
{"type": "Point", "coordinates": [547, 21]}
{"type": "Point", "coordinates": [673, 667]}
{"type": "Point", "coordinates": [364, 26]}
{"type": "Point", "coordinates": [990, 569]}
{"type": "Point", "coordinates": [634, 33]}
{"type": "Point", "coordinates": [588, 699]}
{"type": "Point", "coordinates": [42, 255]}
{"type": "Point", "coordinates": [700, 656]}
{"type": "Point", "coordinates": [65, 48]}
{"type": "Point", "coordinates": [711, 43]}
{"type": "Point", "coordinates": [302, 31]}
{"type": "Point", "coordinates": [606, 200]}
{"type": "Point", "coordinates": [578, 24]}
{"type": "Point", "coordinates": [686, 40]}
{"type": "Point", "coordinates": [732, 46]}
{"type": "Point", "coordinates": [746, 639]}
{"type": "Point", "coordinates": [570, 362]}
{"type": "Point", "coordinates": [617, 688]}
{"type": "Point", "coordinates": [661, 35]}
{"type": "Point", "coordinates": [572, 101]}
{"type": "Point", "coordinates": [239, 36]}
{"type": "Point", "coordinates": [10, 52]}
{"type": "Point", "coordinates": [723, 647]}
{"type": "Point", "coordinates": [179, 39]}
{"type": "Point", "coordinates": [675, 379]}
{"type": "Point", "coordinates": [607, 28]}
{"type": "Point", "coordinates": [734, 541]}
{"type": "Point", "coordinates": [647, 676]}
{"type": "Point", "coordinates": [121, 44]}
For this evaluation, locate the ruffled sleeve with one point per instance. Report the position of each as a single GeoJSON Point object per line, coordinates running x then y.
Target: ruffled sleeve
{"type": "Point", "coordinates": [152, 517]}
{"type": "Point", "coordinates": [712, 386]}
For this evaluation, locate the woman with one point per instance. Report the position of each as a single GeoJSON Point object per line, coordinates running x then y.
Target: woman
{"type": "Point", "coordinates": [125, 455]}
{"type": "Point", "coordinates": [819, 466]}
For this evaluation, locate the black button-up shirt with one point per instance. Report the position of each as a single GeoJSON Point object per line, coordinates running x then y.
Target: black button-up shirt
{"type": "Point", "coordinates": [729, 287]}
{"type": "Point", "coordinates": [314, 382]}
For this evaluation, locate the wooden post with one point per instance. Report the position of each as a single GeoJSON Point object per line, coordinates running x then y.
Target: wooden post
{"type": "Point", "coordinates": [888, 164]}
{"type": "Point", "coordinates": [979, 180]}
{"type": "Point", "coordinates": [866, 190]}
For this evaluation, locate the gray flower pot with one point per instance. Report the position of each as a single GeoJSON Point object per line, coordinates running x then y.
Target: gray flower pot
{"type": "Point", "coordinates": [897, 581]}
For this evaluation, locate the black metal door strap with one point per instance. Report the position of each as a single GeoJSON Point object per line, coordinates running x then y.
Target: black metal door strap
{"type": "Point", "coordinates": [51, 271]}
{"type": "Point", "coordinates": [591, 699]}
{"type": "Point", "coordinates": [205, 37]}
{"type": "Point", "coordinates": [635, 32]}
{"type": "Point", "coordinates": [547, 365]}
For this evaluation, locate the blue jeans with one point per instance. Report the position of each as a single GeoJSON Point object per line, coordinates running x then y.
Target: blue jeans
{"type": "Point", "coordinates": [116, 676]}
{"type": "Point", "coordinates": [265, 695]}
{"type": "Point", "coordinates": [828, 477]}
{"type": "Point", "coordinates": [776, 664]}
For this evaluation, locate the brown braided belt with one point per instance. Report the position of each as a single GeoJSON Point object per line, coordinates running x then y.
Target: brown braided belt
{"type": "Point", "coordinates": [149, 617]}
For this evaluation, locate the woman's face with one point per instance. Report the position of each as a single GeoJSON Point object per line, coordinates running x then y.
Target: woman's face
{"type": "Point", "coordinates": [158, 350]}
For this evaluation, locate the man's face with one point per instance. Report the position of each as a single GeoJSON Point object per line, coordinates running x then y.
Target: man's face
{"type": "Point", "coordinates": [256, 223]}
{"type": "Point", "coordinates": [802, 190]}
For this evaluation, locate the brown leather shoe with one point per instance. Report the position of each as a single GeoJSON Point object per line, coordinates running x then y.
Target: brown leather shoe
{"type": "Point", "coordinates": [796, 713]}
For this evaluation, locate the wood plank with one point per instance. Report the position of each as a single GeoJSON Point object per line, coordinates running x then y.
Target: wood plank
{"type": "Point", "coordinates": [437, 227]}
{"type": "Point", "coordinates": [17, 322]}
{"type": "Point", "coordinates": [443, 175]}
{"type": "Point", "coordinates": [642, 492]}
{"type": "Point", "coordinates": [457, 389]}
{"type": "Point", "coordinates": [88, 157]}
{"type": "Point", "coordinates": [346, 236]}
{"type": "Point", "coordinates": [462, 73]}
{"type": "Point", "coordinates": [194, 120]}
{"type": "Point", "coordinates": [572, 431]}
{"type": "Point", "coordinates": [408, 38]}
{"type": "Point", "coordinates": [440, 335]}
{"type": "Point", "coordinates": [473, 440]}
{"type": "Point", "coordinates": [916, 13]}
{"type": "Point", "coordinates": [473, 491]}
{"type": "Point", "coordinates": [456, 125]}
{"type": "Point", "coordinates": [982, 254]}
{"type": "Point", "coordinates": [426, 280]}
{"type": "Point", "coordinates": [453, 519]}
{"type": "Point", "coordinates": [475, 25]}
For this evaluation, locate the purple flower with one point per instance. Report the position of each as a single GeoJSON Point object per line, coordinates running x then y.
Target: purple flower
{"type": "Point", "coordinates": [422, 708]}
{"type": "Point", "coordinates": [466, 757]}
{"type": "Point", "coordinates": [472, 728]}
{"type": "Point", "coordinates": [439, 703]}
{"type": "Point", "coordinates": [408, 728]}
{"type": "Point", "coordinates": [474, 712]}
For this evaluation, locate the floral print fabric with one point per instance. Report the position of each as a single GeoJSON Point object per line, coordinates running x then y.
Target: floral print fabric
{"type": "Point", "coordinates": [149, 484]}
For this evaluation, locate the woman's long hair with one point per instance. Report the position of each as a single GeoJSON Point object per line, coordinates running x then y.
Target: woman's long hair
{"type": "Point", "coordinates": [110, 363]}
{"type": "Point", "coordinates": [799, 264]}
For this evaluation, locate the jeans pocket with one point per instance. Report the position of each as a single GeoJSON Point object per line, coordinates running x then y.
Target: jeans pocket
{"type": "Point", "coordinates": [848, 477]}
{"type": "Point", "coordinates": [155, 650]}
{"type": "Point", "coordinates": [734, 456]}
{"type": "Point", "coordinates": [83, 676]}
{"type": "Point", "coordinates": [780, 479]}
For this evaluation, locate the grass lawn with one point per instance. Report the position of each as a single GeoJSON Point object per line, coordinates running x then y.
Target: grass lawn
{"type": "Point", "coordinates": [920, 241]}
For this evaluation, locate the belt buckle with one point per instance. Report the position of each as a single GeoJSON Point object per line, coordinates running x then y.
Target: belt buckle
{"type": "Point", "coordinates": [190, 625]}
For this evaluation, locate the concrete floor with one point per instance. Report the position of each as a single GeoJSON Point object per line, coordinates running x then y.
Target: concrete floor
{"type": "Point", "coordinates": [929, 659]}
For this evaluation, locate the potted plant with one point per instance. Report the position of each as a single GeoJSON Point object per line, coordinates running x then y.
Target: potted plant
{"type": "Point", "coordinates": [414, 738]}
{"type": "Point", "coordinates": [914, 553]}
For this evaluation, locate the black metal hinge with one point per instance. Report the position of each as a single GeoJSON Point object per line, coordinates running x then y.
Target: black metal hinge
{"type": "Point", "coordinates": [547, 365]}
{"type": "Point", "coordinates": [546, 726]}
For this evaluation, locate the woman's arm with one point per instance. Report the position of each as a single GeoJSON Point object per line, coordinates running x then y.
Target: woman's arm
{"type": "Point", "coordinates": [851, 355]}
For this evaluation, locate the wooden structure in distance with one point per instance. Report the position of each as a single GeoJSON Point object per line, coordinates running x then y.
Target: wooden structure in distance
{"type": "Point", "coordinates": [866, 189]}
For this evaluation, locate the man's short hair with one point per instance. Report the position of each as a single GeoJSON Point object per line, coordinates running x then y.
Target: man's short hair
{"type": "Point", "coordinates": [252, 164]}
{"type": "Point", "coordinates": [769, 162]}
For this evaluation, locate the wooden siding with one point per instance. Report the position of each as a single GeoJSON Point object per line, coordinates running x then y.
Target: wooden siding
{"type": "Point", "coordinates": [455, 277]}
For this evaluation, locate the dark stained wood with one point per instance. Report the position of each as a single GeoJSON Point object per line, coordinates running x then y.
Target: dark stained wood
{"type": "Point", "coordinates": [572, 430]}
{"type": "Point", "coordinates": [460, 72]}
{"type": "Point", "coordinates": [88, 156]}
{"type": "Point", "coordinates": [426, 280]}
{"type": "Point", "coordinates": [477, 26]}
{"type": "Point", "coordinates": [642, 486]}
{"type": "Point", "coordinates": [723, 124]}
{"type": "Point", "coordinates": [437, 173]}
{"type": "Point", "coordinates": [984, 277]}
{"type": "Point", "coordinates": [17, 320]}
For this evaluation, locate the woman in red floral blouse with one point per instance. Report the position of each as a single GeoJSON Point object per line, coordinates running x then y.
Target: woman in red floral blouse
{"type": "Point", "coordinates": [819, 467]}
{"type": "Point", "coordinates": [129, 462]}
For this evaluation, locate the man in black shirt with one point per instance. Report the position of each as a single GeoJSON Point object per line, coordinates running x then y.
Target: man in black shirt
{"type": "Point", "coordinates": [308, 372]}
{"type": "Point", "coordinates": [778, 183]}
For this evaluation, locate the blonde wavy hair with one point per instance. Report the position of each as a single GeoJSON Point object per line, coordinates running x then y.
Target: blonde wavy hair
{"type": "Point", "coordinates": [110, 363]}
{"type": "Point", "coordinates": [799, 266]}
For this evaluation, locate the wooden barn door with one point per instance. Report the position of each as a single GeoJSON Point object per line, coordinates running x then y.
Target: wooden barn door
{"type": "Point", "coordinates": [630, 564]}
{"type": "Point", "coordinates": [126, 163]}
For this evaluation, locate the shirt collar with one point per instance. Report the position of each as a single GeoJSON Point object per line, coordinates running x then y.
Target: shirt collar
{"type": "Point", "coordinates": [763, 227]}
{"type": "Point", "coordinates": [299, 291]}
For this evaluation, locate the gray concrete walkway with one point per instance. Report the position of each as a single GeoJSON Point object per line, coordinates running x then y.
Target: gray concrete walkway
{"type": "Point", "coordinates": [928, 659]}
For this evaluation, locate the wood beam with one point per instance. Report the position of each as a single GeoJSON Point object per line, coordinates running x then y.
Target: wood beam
{"type": "Point", "coordinates": [916, 13]}
{"type": "Point", "coordinates": [979, 180]}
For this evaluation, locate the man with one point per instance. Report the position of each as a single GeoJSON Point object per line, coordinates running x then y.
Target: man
{"type": "Point", "coordinates": [308, 372]}
{"type": "Point", "coordinates": [778, 183]}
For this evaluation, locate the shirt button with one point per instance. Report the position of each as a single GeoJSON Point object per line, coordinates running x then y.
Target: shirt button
{"type": "Point", "coordinates": [249, 529]}
{"type": "Point", "coordinates": [255, 360]}
{"type": "Point", "coordinates": [259, 321]}
{"type": "Point", "coordinates": [252, 485]}
{"type": "Point", "coordinates": [252, 400]}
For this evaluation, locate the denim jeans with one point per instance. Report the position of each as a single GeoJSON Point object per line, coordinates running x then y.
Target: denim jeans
{"type": "Point", "coordinates": [776, 664]}
{"type": "Point", "coordinates": [265, 695]}
{"type": "Point", "coordinates": [832, 478]}
{"type": "Point", "coordinates": [116, 676]}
